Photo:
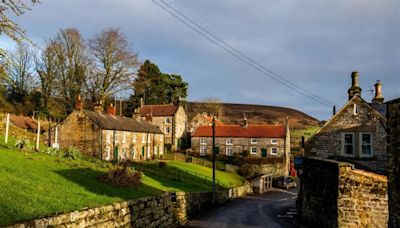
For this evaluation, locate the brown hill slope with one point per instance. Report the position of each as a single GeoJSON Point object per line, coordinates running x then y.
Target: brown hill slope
{"type": "Point", "coordinates": [257, 114]}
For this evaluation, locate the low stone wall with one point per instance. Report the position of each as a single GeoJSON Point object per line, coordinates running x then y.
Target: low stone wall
{"type": "Point", "coordinates": [334, 194]}
{"type": "Point", "coordinates": [275, 169]}
{"type": "Point", "coordinates": [167, 210]}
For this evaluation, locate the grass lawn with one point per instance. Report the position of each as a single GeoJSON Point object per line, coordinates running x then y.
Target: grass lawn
{"type": "Point", "coordinates": [36, 184]}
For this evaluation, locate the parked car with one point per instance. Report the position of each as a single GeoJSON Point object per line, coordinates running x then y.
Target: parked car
{"type": "Point", "coordinates": [285, 182]}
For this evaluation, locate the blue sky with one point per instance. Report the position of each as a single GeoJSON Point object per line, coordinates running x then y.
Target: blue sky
{"type": "Point", "coordinates": [314, 44]}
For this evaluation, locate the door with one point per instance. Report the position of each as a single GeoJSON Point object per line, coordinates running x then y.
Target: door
{"type": "Point", "coordinates": [263, 152]}
{"type": "Point", "coordinates": [143, 152]}
{"type": "Point", "coordinates": [116, 158]}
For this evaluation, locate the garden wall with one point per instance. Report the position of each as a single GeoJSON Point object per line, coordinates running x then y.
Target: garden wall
{"type": "Point", "coordinates": [167, 210]}
{"type": "Point", "coordinates": [333, 194]}
{"type": "Point", "coordinates": [249, 170]}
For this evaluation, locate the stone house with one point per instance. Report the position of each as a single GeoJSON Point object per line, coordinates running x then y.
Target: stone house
{"type": "Point", "coordinates": [107, 136]}
{"type": "Point", "coordinates": [172, 121]}
{"type": "Point", "coordinates": [256, 140]}
{"type": "Point", "coordinates": [203, 119]}
{"type": "Point", "coordinates": [356, 133]}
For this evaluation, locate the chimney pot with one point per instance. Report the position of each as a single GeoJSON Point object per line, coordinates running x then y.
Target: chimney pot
{"type": "Point", "coordinates": [79, 103]}
{"type": "Point", "coordinates": [355, 89]}
{"type": "Point", "coordinates": [378, 99]}
{"type": "Point", "coordinates": [111, 110]}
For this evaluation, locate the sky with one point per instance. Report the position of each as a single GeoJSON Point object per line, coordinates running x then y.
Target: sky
{"type": "Point", "coordinates": [313, 44]}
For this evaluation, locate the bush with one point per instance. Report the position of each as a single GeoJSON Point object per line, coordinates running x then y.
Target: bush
{"type": "Point", "coordinates": [24, 144]}
{"type": "Point", "coordinates": [122, 176]}
{"type": "Point", "coordinates": [72, 153]}
{"type": "Point", "coordinates": [51, 151]}
{"type": "Point", "coordinates": [162, 165]}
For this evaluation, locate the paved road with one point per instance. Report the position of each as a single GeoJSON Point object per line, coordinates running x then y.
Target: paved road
{"type": "Point", "coordinates": [273, 209]}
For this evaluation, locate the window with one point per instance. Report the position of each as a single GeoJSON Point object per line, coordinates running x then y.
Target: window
{"type": "Point", "coordinates": [203, 141]}
{"type": "Point", "coordinates": [124, 137]}
{"type": "Point", "coordinates": [116, 136]}
{"type": "Point", "coordinates": [229, 151]}
{"type": "Point", "coordinates": [366, 144]}
{"type": "Point", "coordinates": [133, 155]}
{"type": "Point", "coordinates": [108, 152]}
{"type": "Point", "coordinates": [229, 141]}
{"type": "Point", "coordinates": [123, 154]}
{"type": "Point", "coordinates": [253, 141]}
{"type": "Point", "coordinates": [167, 120]}
{"type": "Point", "coordinates": [133, 137]}
{"type": "Point", "coordinates": [108, 137]}
{"type": "Point", "coordinates": [167, 130]}
{"type": "Point", "coordinates": [203, 151]}
{"type": "Point", "coordinates": [148, 139]}
{"type": "Point", "coordinates": [253, 150]}
{"type": "Point", "coordinates": [348, 144]}
{"type": "Point", "coordinates": [143, 138]}
{"type": "Point", "coordinates": [356, 109]}
{"type": "Point", "coordinates": [274, 151]}
{"type": "Point", "coordinates": [274, 141]}
{"type": "Point", "coordinates": [156, 150]}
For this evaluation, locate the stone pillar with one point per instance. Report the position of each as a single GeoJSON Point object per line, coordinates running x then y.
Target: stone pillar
{"type": "Point", "coordinates": [394, 162]}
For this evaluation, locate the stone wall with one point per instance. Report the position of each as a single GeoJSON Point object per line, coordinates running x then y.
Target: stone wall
{"type": "Point", "coordinates": [167, 210]}
{"type": "Point", "coordinates": [334, 194]}
{"type": "Point", "coordinates": [394, 162]}
{"type": "Point", "coordinates": [275, 169]}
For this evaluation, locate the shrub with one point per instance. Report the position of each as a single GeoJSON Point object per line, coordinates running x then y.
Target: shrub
{"type": "Point", "coordinates": [72, 153]}
{"type": "Point", "coordinates": [162, 165]}
{"type": "Point", "coordinates": [122, 176]}
{"type": "Point", "coordinates": [51, 151]}
{"type": "Point", "coordinates": [24, 144]}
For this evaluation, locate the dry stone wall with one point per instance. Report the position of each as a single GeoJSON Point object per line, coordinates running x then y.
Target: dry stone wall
{"type": "Point", "coordinates": [334, 194]}
{"type": "Point", "coordinates": [167, 210]}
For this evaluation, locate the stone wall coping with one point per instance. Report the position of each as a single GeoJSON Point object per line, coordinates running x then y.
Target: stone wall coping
{"type": "Point", "coordinates": [376, 177]}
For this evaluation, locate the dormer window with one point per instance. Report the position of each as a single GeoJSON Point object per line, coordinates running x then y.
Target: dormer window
{"type": "Point", "coordinates": [356, 109]}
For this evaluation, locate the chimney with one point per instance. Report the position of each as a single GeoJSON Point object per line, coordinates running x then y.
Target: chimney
{"type": "Point", "coordinates": [111, 110]}
{"type": "Point", "coordinates": [378, 99]}
{"type": "Point", "coordinates": [136, 114]}
{"type": "Point", "coordinates": [245, 123]}
{"type": "Point", "coordinates": [355, 89]}
{"type": "Point", "coordinates": [79, 103]}
{"type": "Point", "coordinates": [99, 107]}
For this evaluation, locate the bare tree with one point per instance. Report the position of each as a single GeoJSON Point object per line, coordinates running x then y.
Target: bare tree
{"type": "Point", "coordinates": [114, 64]}
{"type": "Point", "coordinates": [19, 76]}
{"type": "Point", "coordinates": [9, 27]}
{"type": "Point", "coordinates": [71, 64]}
{"type": "Point", "coordinates": [212, 106]}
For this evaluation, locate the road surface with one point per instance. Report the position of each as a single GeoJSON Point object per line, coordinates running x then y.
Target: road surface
{"type": "Point", "coordinates": [272, 209]}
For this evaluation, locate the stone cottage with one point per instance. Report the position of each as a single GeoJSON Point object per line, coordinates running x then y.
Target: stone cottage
{"type": "Point", "coordinates": [356, 133]}
{"type": "Point", "coordinates": [255, 140]}
{"type": "Point", "coordinates": [172, 121]}
{"type": "Point", "coordinates": [203, 119]}
{"type": "Point", "coordinates": [107, 136]}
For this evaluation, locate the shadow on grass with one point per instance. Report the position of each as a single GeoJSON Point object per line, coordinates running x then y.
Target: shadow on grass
{"type": "Point", "coordinates": [89, 179]}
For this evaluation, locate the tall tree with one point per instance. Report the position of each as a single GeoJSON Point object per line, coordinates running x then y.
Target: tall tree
{"type": "Point", "coordinates": [19, 76]}
{"type": "Point", "coordinates": [71, 62]}
{"type": "Point", "coordinates": [156, 87]}
{"type": "Point", "coordinates": [7, 25]}
{"type": "Point", "coordinates": [114, 64]}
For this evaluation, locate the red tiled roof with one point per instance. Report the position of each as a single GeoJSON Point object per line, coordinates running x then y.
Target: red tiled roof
{"type": "Point", "coordinates": [158, 110]}
{"type": "Point", "coordinates": [251, 131]}
{"type": "Point", "coordinates": [23, 122]}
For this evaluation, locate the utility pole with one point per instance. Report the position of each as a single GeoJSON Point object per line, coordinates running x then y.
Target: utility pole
{"type": "Point", "coordinates": [213, 160]}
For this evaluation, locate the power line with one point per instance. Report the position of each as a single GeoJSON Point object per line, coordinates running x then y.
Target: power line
{"type": "Point", "coordinates": [236, 53]}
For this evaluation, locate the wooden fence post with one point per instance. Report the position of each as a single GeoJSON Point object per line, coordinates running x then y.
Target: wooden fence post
{"type": "Point", "coordinates": [38, 136]}
{"type": "Point", "coordinates": [7, 127]}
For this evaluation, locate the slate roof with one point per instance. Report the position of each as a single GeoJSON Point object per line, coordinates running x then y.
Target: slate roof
{"type": "Point", "coordinates": [251, 131]}
{"type": "Point", "coordinates": [158, 110]}
{"type": "Point", "coordinates": [381, 108]}
{"type": "Point", "coordinates": [110, 122]}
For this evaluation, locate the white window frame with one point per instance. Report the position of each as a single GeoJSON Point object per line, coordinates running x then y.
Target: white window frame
{"type": "Point", "coordinates": [253, 141]}
{"type": "Point", "coordinates": [116, 136]}
{"type": "Point", "coordinates": [356, 109]}
{"type": "Point", "coordinates": [123, 153]}
{"type": "Point", "coordinates": [229, 151]}
{"type": "Point", "coordinates": [167, 120]}
{"type": "Point", "coordinates": [133, 137]}
{"type": "Point", "coordinates": [108, 152]}
{"type": "Point", "coordinates": [203, 141]}
{"type": "Point", "coordinates": [370, 144]}
{"type": "Point", "coordinates": [149, 139]}
{"type": "Point", "coordinates": [251, 150]}
{"type": "Point", "coordinates": [271, 151]}
{"type": "Point", "coordinates": [274, 141]}
{"type": "Point", "coordinates": [344, 145]}
{"type": "Point", "coordinates": [203, 150]}
{"type": "Point", "coordinates": [229, 141]}
{"type": "Point", "coordinates": [143, 138]}
{"type": "Point", "coordinates": [133, 151]}
{"type": "Point", "coordinates": [167, 131]}
{"type": "Point", "coordinates": [108, 136]}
